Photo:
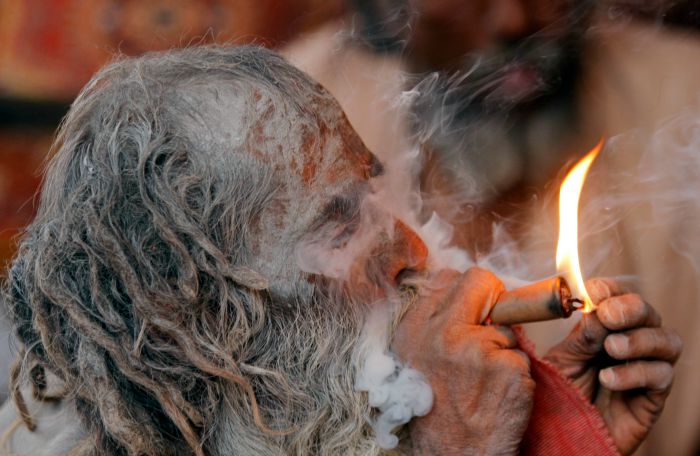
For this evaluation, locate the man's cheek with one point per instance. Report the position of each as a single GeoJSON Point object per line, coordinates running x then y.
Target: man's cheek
{"type": "Point", "coordinates": [369, 272]}
{"type": "Point", "coordinates": [324, 252]}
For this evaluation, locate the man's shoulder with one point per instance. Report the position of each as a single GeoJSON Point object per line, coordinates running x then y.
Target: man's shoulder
{"type": "Point", "coordinates": [58, 428]}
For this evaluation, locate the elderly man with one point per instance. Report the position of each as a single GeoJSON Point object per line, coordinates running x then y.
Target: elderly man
{"type": "Point", "coordinates": [165, 304]}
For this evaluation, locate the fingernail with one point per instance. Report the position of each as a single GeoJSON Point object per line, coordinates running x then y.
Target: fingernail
{"type": "Point", "coordinates": [607, 377]}
{"type": "Point", "coordinates": [618, 344]}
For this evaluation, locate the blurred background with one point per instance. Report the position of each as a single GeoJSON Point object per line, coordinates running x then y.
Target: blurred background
{"type": "Point", "coordinates": [50, 48]}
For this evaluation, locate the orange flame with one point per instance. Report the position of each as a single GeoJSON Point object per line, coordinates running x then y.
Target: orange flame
{"type": "Point", "coordinates": [567, 247]}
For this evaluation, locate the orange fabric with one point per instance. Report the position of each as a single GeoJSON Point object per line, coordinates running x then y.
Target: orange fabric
{"type": "Point", "coordinates": [563, 421]}
{"type": "Point", "coordinates": [50, 48]}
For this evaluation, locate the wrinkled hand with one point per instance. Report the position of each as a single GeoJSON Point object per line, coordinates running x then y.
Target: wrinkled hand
{"type": "Point", "coordinates": [481, 384]}
{"type": "Point", "coordinates": [621, 359]}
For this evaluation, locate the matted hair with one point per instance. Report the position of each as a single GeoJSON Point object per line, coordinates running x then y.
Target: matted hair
{"type": "Point", "coordinates": [132, 285]}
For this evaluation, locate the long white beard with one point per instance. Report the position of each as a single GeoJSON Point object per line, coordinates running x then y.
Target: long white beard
{"type": "Point", "coordinates": [304, 376]}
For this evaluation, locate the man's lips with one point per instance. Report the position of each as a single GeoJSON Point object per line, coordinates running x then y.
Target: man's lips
{"type": "Point", "coordinates": [407, 277]}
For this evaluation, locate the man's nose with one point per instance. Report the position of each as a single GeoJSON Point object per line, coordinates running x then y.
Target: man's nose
{"type": "Point", "coordinates": [407, 253]}
{"type": "Point", "coordinates": [513, 20]}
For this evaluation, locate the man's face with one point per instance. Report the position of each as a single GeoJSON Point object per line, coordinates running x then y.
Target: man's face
{"type": "Point", "coordinates": [447, 30]}
{"type": "Point", "coordinates": [515, 50]}
{"type": "Point", "coordinates": [331, 253]}
{"type": "Point", "coordinates": [502, 52]}
{"type": "Point", "coordinates": [326, 219]}
{"type": "Point", "coordinates": [495, 84]}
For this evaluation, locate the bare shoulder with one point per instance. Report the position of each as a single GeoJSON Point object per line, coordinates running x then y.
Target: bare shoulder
{"type": "Point", "coordinates": [58, 428]}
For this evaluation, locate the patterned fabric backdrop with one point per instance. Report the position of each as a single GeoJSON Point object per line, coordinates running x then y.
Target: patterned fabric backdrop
{"type": "Point", "coordinates": [50, 48]}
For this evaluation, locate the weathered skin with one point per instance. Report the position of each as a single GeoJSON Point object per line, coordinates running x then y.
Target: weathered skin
{"type": "Point", "coordinates": [481, 382]}
{"type": "Point", "coordinates": [631, 394]}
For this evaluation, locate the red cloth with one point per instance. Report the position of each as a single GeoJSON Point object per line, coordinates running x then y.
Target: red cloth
{"type": "Point", "coordinates": [563, 422]}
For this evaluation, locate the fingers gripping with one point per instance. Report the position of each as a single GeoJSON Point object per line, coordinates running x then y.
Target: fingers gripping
{"type": "Point", "coordinates": [466, 299]}
{"type": "Point", "coordinates": [652, 375]}
{"type": "Point", "coordinates": [651, 343]}
{"type": "Point", "coordinates": [626, 312]}
{"type": "Point", "coordinates": [600, 289]}
{"type": "Point", "coordinates": [479, 291]}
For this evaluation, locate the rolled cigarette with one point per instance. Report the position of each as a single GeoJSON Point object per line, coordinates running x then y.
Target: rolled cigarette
{"type": "Point", "coordinates": [544, 300]}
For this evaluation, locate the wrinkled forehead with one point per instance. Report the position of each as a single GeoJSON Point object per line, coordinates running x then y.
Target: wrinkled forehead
{"type": "Point", "coordinates": [308, 136]}
{"type": "Point", "coordinates": [316, 154]}
{"type": "Point", "coordinates": [304, 139]}
{"type": "Point", "coordinates": [302, 134]}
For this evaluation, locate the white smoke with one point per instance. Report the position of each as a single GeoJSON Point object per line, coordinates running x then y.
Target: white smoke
{"type": "Point", "coordinates": [639, 175]}
{"type": "Point", "coordinates": [396, 391]}
{"type": "Point", "coordinates": [664, 175]}
{"type": "Point", "coordinates": [656, 173]}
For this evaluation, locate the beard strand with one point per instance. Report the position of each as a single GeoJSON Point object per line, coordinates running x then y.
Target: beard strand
{"type": "Point", "coordinates": [306, 361]}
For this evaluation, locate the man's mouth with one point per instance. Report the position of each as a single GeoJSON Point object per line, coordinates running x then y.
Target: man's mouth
{"type": "Point", "coordinates": [517, 82]}
{"type": "Point", "coordinates": [513, 76]}
{"type": "Point", "coordinates": [406, 276]}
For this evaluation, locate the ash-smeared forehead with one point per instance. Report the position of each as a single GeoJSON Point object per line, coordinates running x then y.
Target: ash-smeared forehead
{"type": "Point", "coordinates": [307, 145]}
{"type": "Point", "coordinates": [292, 127]}
{"type": "Point", "coordinates": [255, 136]}
{"type": "Point", "coordinates": [287, 121]}
{"type": "Point", "coordinates": [318, 160]}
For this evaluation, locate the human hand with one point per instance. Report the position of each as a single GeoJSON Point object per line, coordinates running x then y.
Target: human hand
{"type": "Point", "coordinates": [481, 384]}
{"type": "Point", "coordinates": [622, 360]}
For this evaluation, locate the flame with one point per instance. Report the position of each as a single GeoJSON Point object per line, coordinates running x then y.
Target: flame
{"type": "Point", "coordinates": [567, 247]}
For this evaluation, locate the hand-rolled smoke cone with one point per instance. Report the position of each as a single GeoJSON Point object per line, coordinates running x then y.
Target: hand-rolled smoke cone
{"type": "Point", "coordinates": [545, 300]}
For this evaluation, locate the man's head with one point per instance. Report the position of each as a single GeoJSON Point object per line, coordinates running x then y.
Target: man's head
{"type": "Point", "coordinates": [497, 79]}
{"type": "Point", "coordinates": [160, 278]}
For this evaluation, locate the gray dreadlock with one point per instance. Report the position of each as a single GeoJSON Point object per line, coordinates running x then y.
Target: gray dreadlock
{"type": "Point", "coordinates": [134, 283]}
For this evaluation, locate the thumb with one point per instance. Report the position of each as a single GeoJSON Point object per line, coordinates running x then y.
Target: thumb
{"type": "Point", "coordinates": [585, 341]}
{"type": "Point", "coordinates": [587, 337]}
{"type": "Point", "coordinates": [600, 289]}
